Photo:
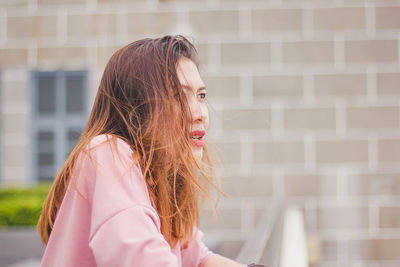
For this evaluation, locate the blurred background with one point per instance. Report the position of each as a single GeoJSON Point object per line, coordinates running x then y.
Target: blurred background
{"type": "Point", "coordinates": [304, 98]}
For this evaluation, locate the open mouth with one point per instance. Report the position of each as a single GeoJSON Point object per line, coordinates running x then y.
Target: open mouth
{"type": "Point", "coordinates": [197, 138]}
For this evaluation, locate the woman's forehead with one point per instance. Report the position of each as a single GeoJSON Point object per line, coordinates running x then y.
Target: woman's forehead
{"type": "Point", "coordinates": [189, 75]}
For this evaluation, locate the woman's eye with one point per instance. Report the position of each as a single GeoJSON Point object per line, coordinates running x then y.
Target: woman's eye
{"type": "Point", "coordinates": [202, 95]}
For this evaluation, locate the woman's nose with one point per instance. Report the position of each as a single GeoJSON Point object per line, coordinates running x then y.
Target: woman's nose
{"type": "Point", "coordinates": [197, 111]}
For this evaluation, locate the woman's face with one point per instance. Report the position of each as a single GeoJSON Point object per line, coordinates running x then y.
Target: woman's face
{"type": "Point", "coordinates": [195, 91]}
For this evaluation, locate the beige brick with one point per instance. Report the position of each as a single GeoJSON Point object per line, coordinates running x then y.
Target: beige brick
{"type": "Point", "coordinates": [229, 248]}
{"type": "Point", "coordinates": [61, 54]}
{"type": "Point", "coordinates": [163, 3]}
{"type": "Point", "coordinates": [329, 250]}
{"type": "Point", "coordinates": [202, 54]}
{"type": "Point", "coordinates": [361, 249]}
{"type": "Point", "coordinates": [305, 185]}
{"type": "Point", "coordinates": [92, 25]}
{"type": "Point", "coordinates": [383, 184]}
{"type": "Point", "coordinates": [308, 52]}
{"type": "Point", "coordinates": [215, 120]}
{"type": "Point", "coordinates": [245, 53]}
{"type": "Point", "coordinates": [18, 27]}
{"type": "Point", "coordinates": [60, 2]}
{"type": "Point", "coordinates": [278, 152]}
{"type": "Point", "coordinates": [222, 86]}
{"type": "Point", "coordinates": [151, 23]}
{"type": "Point", "coordinates": [260, 212]}
{"type": "Point", "coordinates": [342, 218]}
{"type": "Point", "coordinates": [228, 152]}
{"type": "Point", "coordinates": [13, 57]}
{"type": "Point", "coordinates": [333, 19]}
{"type": "Point", "coordinates": [309, 118]}
{"type": "Point", "coordinates": [277, 20]}
{"type": "Point", "coordinates": [328, 185]}
{"type": "Point", "coordinates": [259, 186]}
{"type": "Point", "coordinates": [371, 51]}
{"type": "Point", "coordinates": [214, 21]}
{"type": "Point", "coordinates": [15, 176]}
{"type": "Point", "coordinates": [104, 54]}
{"type": "Point", "coordinates": [14, 74]}
{"type": "Point", "coordinates": [387, 17]}
{"type": "Point", "coordinates": [340, 84]}
{"type": "Point", "coordinates": [374, 184]}
{"type": "Point", "coordinates": [389, 217]}
{"type": "Point", "coordinates": [44, 26]}
{"type": "Point", "coordinates": [14, 156]}
{"type": "Point", "coordinates": [246, 119]}
{"type": "Point", "coordinates": [15, 123]}
{"type": "Point", "coordinates": [372, 117]}
{"type": "Point", "coordinates": [14, 91]}
{"type": "Point", "coordinates": [389, 150]}
{"type": "Point", "coordinates": [239, 1]}
{"type": "Point", "coordinates": [389, 2]}
{"type": "Point", "coordinates": [120, 1]}
{"type": "Point", "coordinates": [386, 249]}
{"type": "Point", "coordinates": [12, 3]}
{"type": "Point", "coordinates": [224, 219]}
{"type": "Point", "coordinates": [278, 85]}
{"type": "Point", "coordinates": [34, 26]}
{"type": "Point", "coordinates": [341, 151]}
{"type": "Point", "coordinates": [20, 139]}
{"type": "Point", "coordinates": [388, 83]}
{"type": "Point", "coordinates": [358, 185]}
{"type": "Point", "coordinates": [375, 249]}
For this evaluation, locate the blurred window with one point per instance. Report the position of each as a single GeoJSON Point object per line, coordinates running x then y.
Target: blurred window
{"type": "Point", "coordinates": [59, 114]}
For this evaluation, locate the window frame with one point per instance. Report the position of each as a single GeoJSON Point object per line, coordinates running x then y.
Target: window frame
{"type": "Point", "coordinates": [59, 122]}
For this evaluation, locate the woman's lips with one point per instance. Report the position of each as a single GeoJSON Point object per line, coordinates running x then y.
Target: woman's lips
{"type": "Point", "coordinates": [197, 138]}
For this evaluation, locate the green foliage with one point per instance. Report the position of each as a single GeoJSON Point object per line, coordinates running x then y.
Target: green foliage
{"type": "Point", "coordinates": [22, 206]}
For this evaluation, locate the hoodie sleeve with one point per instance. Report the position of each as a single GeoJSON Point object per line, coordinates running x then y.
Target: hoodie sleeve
{"type": "Point", "coordinates": [131, 238]}
{"type": "Point", "coordinates": [196, 253]}
{"type": "Point", "coordinates": [124, 228]}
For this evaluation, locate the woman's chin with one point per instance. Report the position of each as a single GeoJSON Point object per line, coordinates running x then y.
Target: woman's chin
{"type": "Point", "coordinates": [197, 153]}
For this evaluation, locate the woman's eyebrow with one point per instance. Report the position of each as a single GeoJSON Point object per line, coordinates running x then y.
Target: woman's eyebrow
{"type": "Point", "coordinates": [187, 87]}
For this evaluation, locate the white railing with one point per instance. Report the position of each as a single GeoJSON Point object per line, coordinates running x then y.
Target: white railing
{"type": "Point", "coordinates": [279, 239]}
{"type": "Point", "coordinates": [294, 245]}
{"type": "Point", "coordinates": [263, 245]}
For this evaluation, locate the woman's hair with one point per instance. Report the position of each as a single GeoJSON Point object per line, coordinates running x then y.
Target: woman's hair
{"type": "Point", "coordinates": [140, 100]}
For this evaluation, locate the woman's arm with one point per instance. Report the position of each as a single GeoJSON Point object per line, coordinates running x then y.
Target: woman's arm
{"type": "Point", "coordinates": [216, 260]}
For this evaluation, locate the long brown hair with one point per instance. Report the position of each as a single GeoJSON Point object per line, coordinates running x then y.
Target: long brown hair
{"type": "Point", "coordinates": [140, 100]}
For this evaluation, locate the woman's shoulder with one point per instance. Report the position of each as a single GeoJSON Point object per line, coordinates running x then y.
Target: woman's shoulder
{"type": "Point", "coordinates": [108, 144]}
{"type": "Point", "coordinates": [105, 149]}
{"type": "Point", "coordinates": [110, 140]}
{"type": "Point", "coordinates": [108, 165]}
{"type": "Point", "coordinates": [110, 179]}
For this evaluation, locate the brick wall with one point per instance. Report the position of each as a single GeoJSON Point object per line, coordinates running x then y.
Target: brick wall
{"type": "Point", "coordinates": [304, 99]}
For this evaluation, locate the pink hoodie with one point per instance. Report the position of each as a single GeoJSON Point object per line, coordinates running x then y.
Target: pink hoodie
{"type": "Point", "coordinates": [111, 221]}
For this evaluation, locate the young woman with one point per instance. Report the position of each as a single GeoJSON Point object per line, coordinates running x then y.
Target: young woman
{"type": "Point", "coordinates": [127, 194]}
